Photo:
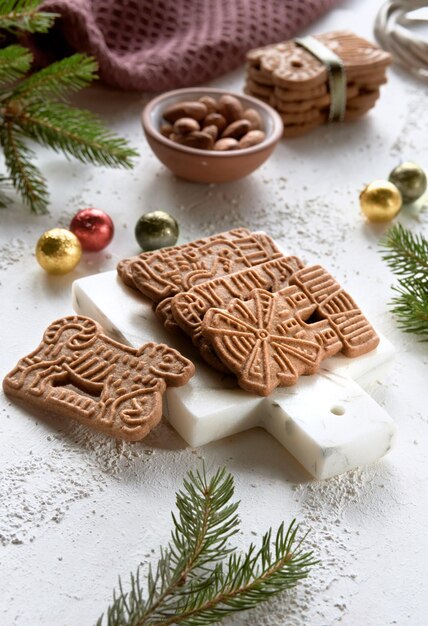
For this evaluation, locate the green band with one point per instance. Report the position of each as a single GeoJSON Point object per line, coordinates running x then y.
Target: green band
{"type": "Point", "coordinates": [336, 75]}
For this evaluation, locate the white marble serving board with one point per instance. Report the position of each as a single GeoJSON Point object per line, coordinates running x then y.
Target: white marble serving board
{"type": "Point", "coordinates": [327, 421]}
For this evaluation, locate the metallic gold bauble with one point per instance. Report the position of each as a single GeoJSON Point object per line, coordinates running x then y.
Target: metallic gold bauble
{"type": "Point", "coordinates": [156, 230]}
{"type": "Point", "coordinates": [58, 251]}
{"type": "Point", "coordinates": [380, 201]}
{"type": "Point", "coordinates": [410, 179]}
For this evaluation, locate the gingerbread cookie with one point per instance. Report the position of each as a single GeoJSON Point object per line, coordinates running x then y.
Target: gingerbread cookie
{"type": "Point", "coordinates": [292, 66]}
{"type": "Point", "coordinates": [124, 267]}
{"type": "Point", "coordinates": [169, 271]}
{"type": "Point", "coordinates": [79, 372]}
{"type": "Point", "coordinates": [292, 78]}
{"type": "Point", "coordinates": [336, 305]}
{"type": "Point", "coordinates": [266, 341]}
{"type": "Point", "coordinates": [189, 308]}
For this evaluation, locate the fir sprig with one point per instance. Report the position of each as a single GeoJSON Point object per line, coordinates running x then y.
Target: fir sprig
{"type": "Point", "coordinates": [200, 579]}
{"type": "Point", "coordinates": [25, 176]}
{"type": "Point", "coordinates": [23, 15]}
{"type": "Point", "coordinates": [58, 80]}
{"type": "Point", "coordinates": [15, 61]}
{"type": "Point", "coordinates": [33, 107]}
{"type": "Point", "coordinates": [406, 254]}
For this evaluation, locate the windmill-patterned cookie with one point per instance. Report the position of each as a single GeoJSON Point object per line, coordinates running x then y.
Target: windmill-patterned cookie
{"type": "Point", "coordinates": [293, 67]}
{"type": "Point", "coordinates": [189, 308]}
{"type": "Point", "coordinates": [266, 341]}
{"type": "Point", "coordinates": [170, 271]}
{"type": "Point", "coordinates": [336, 305]}
{"type": "Point", "coordinates": [79, 372]}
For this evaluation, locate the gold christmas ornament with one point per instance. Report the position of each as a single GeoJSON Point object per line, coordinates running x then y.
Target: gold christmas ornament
{"type": "Point", "coordinates": [58, 251]}
{"type": "Point", "coordinates": [410, 179]}
{"type": "Point", "coordinates": [380, 201]}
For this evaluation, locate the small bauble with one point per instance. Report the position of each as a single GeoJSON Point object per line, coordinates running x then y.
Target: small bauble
{"type": "Point", "coordinates": [156, 230]}
{"type": "Point", "coordinates": [58, 251]}
{"type": "Point", "coordinates": [93, 228]}
{"type": "Point", "coordinates": [380, 201]}
{"type": "Point", "coordinates": [410, 179]}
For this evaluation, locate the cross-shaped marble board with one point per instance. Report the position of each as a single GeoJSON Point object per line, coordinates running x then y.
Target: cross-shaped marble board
{"type": "Point", "coordinates": [326, 421]}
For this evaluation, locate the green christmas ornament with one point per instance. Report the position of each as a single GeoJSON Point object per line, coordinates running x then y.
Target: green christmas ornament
{"type": "Point", "coordinates": [410, 179]}
{"type": "Point", "coordinates": [155, 230]}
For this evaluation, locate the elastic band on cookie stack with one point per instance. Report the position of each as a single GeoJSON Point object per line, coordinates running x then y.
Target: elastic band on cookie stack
{"type": "Point", "coordinates": [317, 80]}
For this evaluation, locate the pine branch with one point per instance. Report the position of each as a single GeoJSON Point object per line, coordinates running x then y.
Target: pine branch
{"type": "Point", "coordinates": [55, 81]}
{"type": "Point", "coordinates": [23, 15]}
{"type": "Point", "coordinates": [25, 177]}
{"type": "Point", "coordinates": [407, 255]}
{"type": "Point", "coordinates": [15, 61]}
{"type": "Point", "coordinates": [33, 108]}
{"type": "Point", "coordinates": [75, 132]}
{"type": "Point", "coordinates": [199, 579]}
{"type": "Point", "coordinates": [205, 523]}
{"type": "Point", "coordinates": [5, 185]}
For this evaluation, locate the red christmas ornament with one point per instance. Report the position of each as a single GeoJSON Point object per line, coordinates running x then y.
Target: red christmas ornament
{"type": "Point", "coordinates": [93, 228]}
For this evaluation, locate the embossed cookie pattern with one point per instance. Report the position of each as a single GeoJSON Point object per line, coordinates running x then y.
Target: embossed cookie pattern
{"type": "Point", "coordinates": [295, 82]}
{"type": "Point", "coordinates": [168, 272]}
{"type": "Point", "coordinates": [265, 340]}
{"type": "Point", "coordinates": [80, 373]}
{"type": "Point", "coordinates": [189, 308]}
{"type": "Point", "coordinates": [124, 267]}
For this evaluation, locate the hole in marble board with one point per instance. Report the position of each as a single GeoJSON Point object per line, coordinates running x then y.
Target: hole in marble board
{"type": "Point", "coordinates": [337, 410]}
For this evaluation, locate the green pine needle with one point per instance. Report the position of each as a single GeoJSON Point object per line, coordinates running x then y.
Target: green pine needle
{"type": "Point", "coordinates": [407, 256]}
{"type": "Point", "coordinates": [5, 185]}
{"type": "Point", "coordinates": [25, 177]}
{"type": "Point", "coordinates": [23, 15]}
{"type": "Point", "coordinates": [15, 61]}
{"type": "Point", "coordinates": [75, 132]}
{"type": "Point", "coordinates": [200, 579]}
{"type": "Point", "coordinates": [68, 75]}
{"type": "Point", "coordinates": [34, 108]}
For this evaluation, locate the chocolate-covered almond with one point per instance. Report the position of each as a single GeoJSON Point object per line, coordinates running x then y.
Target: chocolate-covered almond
{"type": "Point", "coordinates": [215, 119]}
{"type": "Point", "coordinates": [185, 125]}
{"type": "Point", "coordinates": [230, 107]}
{"type": "Point", "coordinates": [251, 138]}
{"type": "Point", "coordinates": [195, 110]}
{"type": "Point", "coordinates": [237, 129]}
{"type": "Point", "coordinates": [254, 118]}
{"type": "Point", "coordinates": [226, 143]}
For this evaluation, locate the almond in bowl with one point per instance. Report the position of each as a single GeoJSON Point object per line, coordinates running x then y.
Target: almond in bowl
{"type": "Point", "coordinates": [211, 135]}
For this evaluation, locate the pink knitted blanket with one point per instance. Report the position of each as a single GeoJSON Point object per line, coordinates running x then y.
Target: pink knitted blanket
{"type": "Point", "coordinates": [154, 45]}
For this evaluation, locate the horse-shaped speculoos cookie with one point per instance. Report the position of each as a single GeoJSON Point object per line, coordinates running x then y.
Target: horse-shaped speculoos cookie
{"type": "Point", "coordinates": [77, 371]}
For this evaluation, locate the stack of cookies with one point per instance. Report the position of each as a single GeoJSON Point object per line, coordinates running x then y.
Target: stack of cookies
{"type": "Point", "coordinates": [297, 83]}
{"type": "Point", "coordinates": [250, 310]}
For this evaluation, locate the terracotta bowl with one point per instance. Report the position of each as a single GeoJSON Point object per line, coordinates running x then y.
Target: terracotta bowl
{"type": "Point", "coordinates": [209, 166]}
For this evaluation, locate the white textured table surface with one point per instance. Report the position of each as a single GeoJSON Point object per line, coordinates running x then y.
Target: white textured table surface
{"type": "Point", "coordinates": [77, 509]}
